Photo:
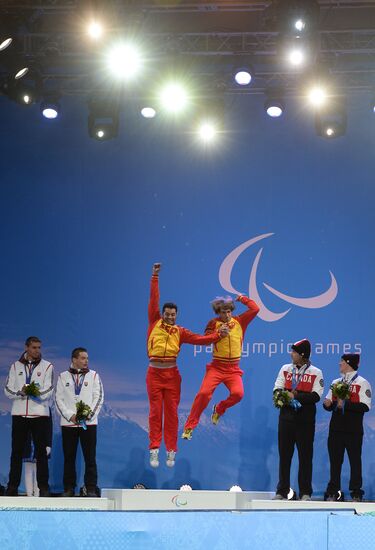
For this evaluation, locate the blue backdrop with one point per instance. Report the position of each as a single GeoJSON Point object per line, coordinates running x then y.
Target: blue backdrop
{"type": "Point", "coordinates": [82, 222]}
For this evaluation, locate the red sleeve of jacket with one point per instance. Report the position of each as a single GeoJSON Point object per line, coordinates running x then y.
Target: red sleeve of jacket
{"type": "Point", "coordinates": [188, 337]}
{"type": "Point", "coordinates": [153, 305]}
{"type": "Point", "coordinates": [247, 316]}
{"type": "Point", "coordinates": [210, 327]}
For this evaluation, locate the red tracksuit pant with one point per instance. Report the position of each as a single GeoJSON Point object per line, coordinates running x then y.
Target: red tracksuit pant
{"type": "Point", "coordinates": [231, 376]}
{"type": "Point", "coordinates": [164, 390]}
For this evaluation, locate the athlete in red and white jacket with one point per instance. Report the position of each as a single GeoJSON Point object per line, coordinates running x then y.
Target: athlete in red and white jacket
{"type": "Point", "coordinates": [304, 383]}
{"type": "Point", "coordinates": [346, 428]}
{"type": "Point", "coordinates": [29, 415]}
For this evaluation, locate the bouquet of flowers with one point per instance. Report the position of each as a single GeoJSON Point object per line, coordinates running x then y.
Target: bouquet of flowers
{"type": "Point", "coordinates": [32, 390]}
{"type": "Point", "coordinates": [341, 390]}
{"type": "Point", "coordinates": [281, 399]}
{"type": "Point", "coordinates": [83, 413]}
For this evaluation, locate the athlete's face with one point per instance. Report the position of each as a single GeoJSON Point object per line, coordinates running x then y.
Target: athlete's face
{"type": "Point", "coordinates": [169, 316]}
{"type": "Point", "coordinates": [33, 351]}
{"type": "Point", "coordinates": [82, 361]}
{"type": "Point", "coordinates": [344, 367]}
{"type": "Point", "coordinates": [225, 314]}
{"type": "Point", "coordinates": [297, 359]}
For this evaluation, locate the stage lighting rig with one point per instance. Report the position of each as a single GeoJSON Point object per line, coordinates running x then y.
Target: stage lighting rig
{"type": "Point", "coordinates": [103, 120]}
{"type": "Point", "coordinates": [331, 121]}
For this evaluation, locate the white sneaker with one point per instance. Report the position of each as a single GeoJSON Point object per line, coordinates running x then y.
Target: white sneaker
{"type": "Point", "coordinates": [305, 497]}
{"type": "Point", "coordinates": [279, 497]}
{"type": "Point", "coordinates": [154, 458]}
{"type": "Point", "coordinates": [171, 458]}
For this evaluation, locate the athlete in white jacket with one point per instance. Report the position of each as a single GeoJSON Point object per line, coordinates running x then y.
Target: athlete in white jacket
{"type": "Point", "coordinates": [79, 383]}
{"type": "Point", "coordinates": [29, 414]}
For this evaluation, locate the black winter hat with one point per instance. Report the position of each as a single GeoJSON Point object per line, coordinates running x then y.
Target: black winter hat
{"type": "Point", "coordinates": [352, 359]}
{"type": "Point", "coordinates": [303, 347]}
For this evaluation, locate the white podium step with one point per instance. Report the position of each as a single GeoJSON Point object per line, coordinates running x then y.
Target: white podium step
{"type": "Point", "coordinates": [156, 500]}
{"type": "Point", "coordinates": [55, 503]}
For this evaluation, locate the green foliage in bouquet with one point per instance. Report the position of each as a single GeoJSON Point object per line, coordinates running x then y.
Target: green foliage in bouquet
{"type": "Point", "coordinates": [32, 390]}
{"type": "Point", "coordinates": [281, 398]}
{"type": "Point", "coordinates": [341, 390]}
{"type": "Point", "coordinates": [83, 411]}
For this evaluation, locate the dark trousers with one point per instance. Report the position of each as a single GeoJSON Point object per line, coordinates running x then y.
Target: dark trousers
{"type": "Point", "coordinates": [39, 429]}
{"type": "Point", "coordinates": [301, 435]}
{"type": "Point", "coordinates": [87, 438]}
{"type": "Point", "coordinates": [338, 443]}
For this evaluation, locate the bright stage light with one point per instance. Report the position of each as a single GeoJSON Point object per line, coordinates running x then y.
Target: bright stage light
{"type": "Point", "coordinates": [235, 489]}
{"type": "Point", "coordinates": [95, 30]}
{"type": "Point", "coordinates": [296, 57]}
{"type": "Point", "coordinates": [317, 96]}
{"type": "Point", "coordinates": [185, 488]}
{"type": "Point", "coordinates": [5, 43]}
{"type": "Point", "coordinates": [174, 98]}
{"type": "Point", "coordinates": [274, 108]}
{"type": "Point", "coordinates": [207, 132]}
{"type": "Point", "coordinates": [299, 25]}
{"type": "Point", "coordinates": [125, 61]}
{"type": "Point", "coordinates": [330, 132]}
{"type": "Point", "coordinates": [243, 77]}
{"type": "Point", "coordinates": [26, 99]}
{"type": "Point", "coordinates": [100, 133]}
{"type": "Point", "coordinates": [50, 112]}
{"type": "Point", "coordinates": [21, 73]}
{"type": "Point", "coordinates": [148, 112]}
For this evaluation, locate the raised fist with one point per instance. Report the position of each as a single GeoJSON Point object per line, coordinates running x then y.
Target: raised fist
{"type": "Point", "coordinates": [156, 268]}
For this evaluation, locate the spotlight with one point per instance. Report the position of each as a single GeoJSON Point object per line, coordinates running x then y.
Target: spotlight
{"type": "Point", "coordinates": [5, 43]}
{"type": "Point", "coordinates": [207, 132]}
{"type": "Point", "coordinates": [331, 121]}
{"type": "Point", "coordinates": [50, 107]}
{"type": "Point", "coordinates": [373, 105]}
{"type": "Point", "coordinates": [210, 120]}
{"type": "Point", "coordinates": [174, 97]}
{"type": "Point", "coordinates": [103, 120]}
{"type": "Point", "coordinates": [185, 488]}
{"type": "Point", "coordinates": [243, 77]}
{"type": "Point", "coordinates": [299, 25]}
{"type": "Point", "coordinates": [95, 30]}
{"type": "Point", "coordinates": [125, 61]}
{"type": "Point", "coordinates": [274, 107]}
{"type": "Point", "coordinates": [235, 489]}
{"type": "Point", "coordinates": [148, 112]}
{"type": "Point", "coordinates": [20, 73]}
{"type": "Point", "coordinates": [317, 96]}
{"type": "Point", "coordinates": [296, 57]}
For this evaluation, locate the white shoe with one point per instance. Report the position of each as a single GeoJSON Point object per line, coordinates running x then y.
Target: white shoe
{"type": "Point", "coordinates": [171, 458]}
{"type": "Point", "coordinates": [279, 497]}
{"type": "Point", "coordinates": [305, 497]}
{"type": "Point", "coordinates": [154, 458]}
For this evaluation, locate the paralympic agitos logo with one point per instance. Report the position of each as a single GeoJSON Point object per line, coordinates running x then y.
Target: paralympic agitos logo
{"type": "Point", "coordinates": [313, 302]}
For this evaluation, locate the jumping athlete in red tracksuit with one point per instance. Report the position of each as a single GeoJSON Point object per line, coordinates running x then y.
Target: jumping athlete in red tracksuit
{"type": "Point", "coordinates": [226, 358]}
{"type": "Point", "coordinates": [164, 339]}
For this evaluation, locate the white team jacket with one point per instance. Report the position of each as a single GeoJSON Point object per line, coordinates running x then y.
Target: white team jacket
{"type": "Point", "coordinates": [91, 394]}
{"type": "Point", "coordinates": [310, 381]}
{"type": "Point", "coordinates": [26, 406]}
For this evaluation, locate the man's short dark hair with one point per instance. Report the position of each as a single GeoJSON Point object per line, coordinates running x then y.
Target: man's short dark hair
{"type": "Point", "coordinates": [170, 305]}
{"type": "Point", "coordinates": [77, 351]}
{"type": "Point", "coordinates": [31, 340]}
